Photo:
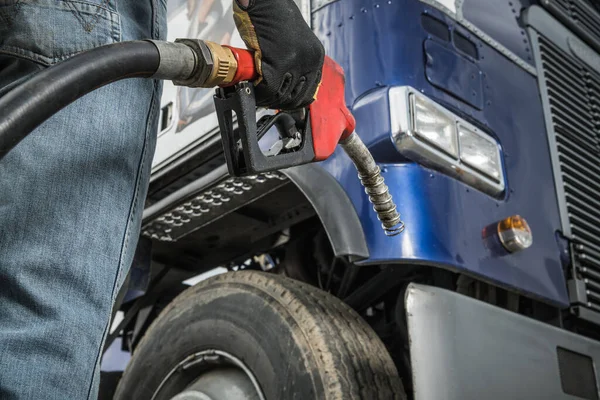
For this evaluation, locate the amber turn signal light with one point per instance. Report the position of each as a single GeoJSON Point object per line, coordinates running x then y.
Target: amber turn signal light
{"type": "Point", "coordinates": [514, 233]}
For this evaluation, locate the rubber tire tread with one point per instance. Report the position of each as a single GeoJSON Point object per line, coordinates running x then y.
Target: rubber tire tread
{"type": "Point", "coordinates": [346, 355]}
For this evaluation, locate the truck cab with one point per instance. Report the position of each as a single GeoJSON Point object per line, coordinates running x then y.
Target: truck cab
{"type": "Point", "coordinates": [483, 116]}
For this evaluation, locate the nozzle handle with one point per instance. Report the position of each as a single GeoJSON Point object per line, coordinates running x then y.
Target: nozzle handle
{"type": "Point", "coordinates": [331, 121]}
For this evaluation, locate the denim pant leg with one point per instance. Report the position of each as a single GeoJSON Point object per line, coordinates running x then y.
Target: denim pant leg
{"type": "Point", "coordinates": [71, 196]}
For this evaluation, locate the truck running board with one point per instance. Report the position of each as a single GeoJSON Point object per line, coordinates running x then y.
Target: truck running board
{"type": "Point", "coordinates": [196, 205]}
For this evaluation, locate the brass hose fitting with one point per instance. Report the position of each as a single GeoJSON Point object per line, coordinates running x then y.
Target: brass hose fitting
{"type": "Point", "coordinates": [224, 65]}
{"type": "Point", "coordinates": [195, 63]}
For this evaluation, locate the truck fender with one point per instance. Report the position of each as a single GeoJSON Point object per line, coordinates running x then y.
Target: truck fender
{"type": "Point", "coordinates": [334, 208]}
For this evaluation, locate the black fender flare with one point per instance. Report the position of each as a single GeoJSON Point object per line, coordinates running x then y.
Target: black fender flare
{"type": "Point", "coordinates": [334, 209]}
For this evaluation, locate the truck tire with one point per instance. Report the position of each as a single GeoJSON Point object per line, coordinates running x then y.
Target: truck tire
{"type": "Point", "coordinates": [262, 336]}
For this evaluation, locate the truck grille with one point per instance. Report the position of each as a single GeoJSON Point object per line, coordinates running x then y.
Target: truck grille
{"type": "Point", "coordinates": [573, 94]}
{"type": "Point", "coordinates": [581, 16]}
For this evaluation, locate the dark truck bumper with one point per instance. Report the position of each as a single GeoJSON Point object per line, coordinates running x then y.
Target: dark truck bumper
{"type": "Point", "coordinates": [462, 348]}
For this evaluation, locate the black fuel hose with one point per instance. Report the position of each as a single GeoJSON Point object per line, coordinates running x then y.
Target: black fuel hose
{"type": "Point", "coordinates": [28, 105]}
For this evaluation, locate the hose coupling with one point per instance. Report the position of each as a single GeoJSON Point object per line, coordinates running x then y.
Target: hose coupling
{"type": "Point", "coordinates": [195, 63]}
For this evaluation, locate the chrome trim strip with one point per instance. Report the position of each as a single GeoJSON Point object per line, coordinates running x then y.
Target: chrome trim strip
{"type": "Point", "coordinates": [446, 10]}
{"type": "Point", "coordinates": [552, 145]}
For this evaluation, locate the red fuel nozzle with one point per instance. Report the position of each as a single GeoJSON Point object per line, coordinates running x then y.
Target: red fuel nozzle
{"type": "Point", "coordinates": [331, 123]}
{"type": "Point", "coordinates": [330, 119]}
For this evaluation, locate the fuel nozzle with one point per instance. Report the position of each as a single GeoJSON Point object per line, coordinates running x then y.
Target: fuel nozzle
{"type": "Point", "coordinates": [327, 121]}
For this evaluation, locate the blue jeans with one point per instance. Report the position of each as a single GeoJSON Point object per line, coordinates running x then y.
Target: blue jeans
{"type": "Point", "coordinates": [71, 196]}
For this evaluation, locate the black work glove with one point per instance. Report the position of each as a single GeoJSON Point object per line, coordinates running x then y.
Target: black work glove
{"type": "Point", "coordinates": [288, 55]}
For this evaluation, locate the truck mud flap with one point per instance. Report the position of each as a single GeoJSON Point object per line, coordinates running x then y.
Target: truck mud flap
{"type": "Point", "coordinates": [334, 208]}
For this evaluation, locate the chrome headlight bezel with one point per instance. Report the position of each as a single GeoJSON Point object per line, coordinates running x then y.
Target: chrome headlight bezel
{"type": "Point", "coordinates": [410, 144]}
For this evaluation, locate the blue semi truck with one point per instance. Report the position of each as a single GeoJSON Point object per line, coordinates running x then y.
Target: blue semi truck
{"type": "Point", "coordinates": [484, 117]}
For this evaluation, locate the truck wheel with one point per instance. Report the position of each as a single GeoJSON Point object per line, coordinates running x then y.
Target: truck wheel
{"type": "Point", "coordinates": [251, 335]}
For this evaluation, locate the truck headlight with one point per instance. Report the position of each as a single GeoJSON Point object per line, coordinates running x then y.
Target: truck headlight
{"type": "Point", "coordinates": [434, 126]}
{"type": "Point", "coordinates": [480, 152]}
{"type": "Point", "coordinates": [431, 135]}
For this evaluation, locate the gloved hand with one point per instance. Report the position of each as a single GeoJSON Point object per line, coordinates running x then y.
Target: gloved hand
{"type": "Point", "coordinates": [288, 56]}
